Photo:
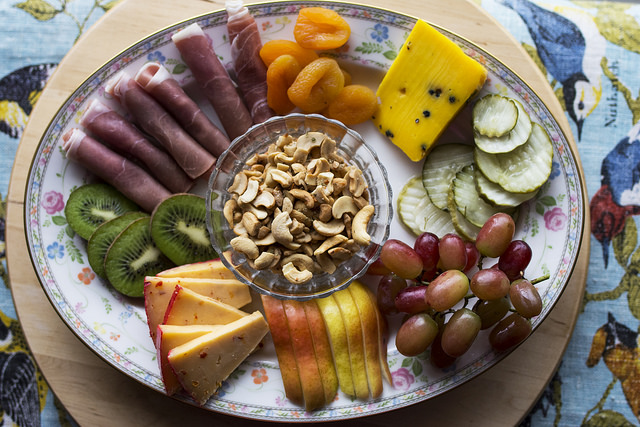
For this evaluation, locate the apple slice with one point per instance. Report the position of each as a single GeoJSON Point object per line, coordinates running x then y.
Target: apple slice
{"type": "Point", "coordinates": [277, 321]}
{"type": "Point", "coordinates": [338, 341]}
{"type": "Point", "coordinates": [369, 324]}
{"type": "Point", "coordinates": [353, 326]}
{"type": "Point", "coordinates": [213, 269]}
{"type": "Point", "coordinates": [170, 336]}
{"type": "Point", "coordinates": [229, 291]}
{"type": "Point", "coordinates": [383, 331]}
{"type": "Point", "coordinates": [302, 342]}
{"type": "Point", "coordinates": [189, 308]}
{"type": "Point", "coordinates": [322, 348]}
{"type": "Point", "coordinates": [203, 363]}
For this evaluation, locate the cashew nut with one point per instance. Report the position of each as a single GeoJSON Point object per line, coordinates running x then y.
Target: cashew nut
{"type": "Point", "coordinates": [359, 225]}
{"type": "Point", "coordinates": [303, 195]}
{"type": "Point", "coordinates": [250, 192]}
{"type": "Point", "coordinates": [265, 199]}
{"type": "Point", "coordinates": [280, 228]}
{"type": "Point", "coordinates": [342, 205]}
{"type": "Point", "coordinates": [264, 260]}
{"type": "Point", "coordinates": [330, 228]}
{"type": "Point", "coordinates": [296, 276]}
{"type": "Point", "coordinates": [245, 246]}
{"type": "Point", "coordinates": [239, 184]}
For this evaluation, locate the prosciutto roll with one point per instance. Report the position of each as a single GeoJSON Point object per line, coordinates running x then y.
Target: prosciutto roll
{"type": "Point", "coordinates": [251, 73]}
{"type": "Point", "coordinates": [157, 122]}
{"type": "Point", "coordinates": [213, 79]}
{"type": "Point", "coordinates": [158, 82]}
{"type": "Point", "coordinates": [111, 128]}
{"type": "Point", "coordinates": [127, 177]}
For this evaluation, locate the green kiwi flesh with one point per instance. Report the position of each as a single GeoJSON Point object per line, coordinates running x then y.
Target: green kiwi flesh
{"type": "Point", "coordinates": [105, 234]}
{"type": "Point", "coordinates": [179, 229]}
{"type": "Point", "coordinates": [131, 257]}
{"type": "Point", "coordinates": [90, 205]}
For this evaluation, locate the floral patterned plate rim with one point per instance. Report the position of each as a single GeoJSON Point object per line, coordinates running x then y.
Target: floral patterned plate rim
{"type": "Point", "coordinates": [114, 327]}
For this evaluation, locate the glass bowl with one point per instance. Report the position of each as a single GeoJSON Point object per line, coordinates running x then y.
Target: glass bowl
{"type": "Point", "coordinates": [352, 147]}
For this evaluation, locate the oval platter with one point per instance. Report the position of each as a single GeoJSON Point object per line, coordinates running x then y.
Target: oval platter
{"type": "Point", "coordinates": [114, 327]}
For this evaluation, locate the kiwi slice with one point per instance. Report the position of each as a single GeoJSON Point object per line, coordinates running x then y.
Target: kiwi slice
{"type": "Point", "coordinates": [90, 205]}
{"type": "Point", "coordinates": [179, 229]}
{"type": "Point", "coordinates": [132, 256]}
{"type": "Point", "coordinates": [105, 234]}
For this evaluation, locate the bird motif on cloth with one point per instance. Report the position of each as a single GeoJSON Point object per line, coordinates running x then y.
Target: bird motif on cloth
{"type": "Point", "coordinates": [619, 195]}
{"type": "Point", "coordinates": [559, 37]}
{"type": "Point", "coordinates": [617, 345]}
{"type": "Point", "coordinates": [19, 91]}
{"type": "Point", "coordinates": [23, 390]}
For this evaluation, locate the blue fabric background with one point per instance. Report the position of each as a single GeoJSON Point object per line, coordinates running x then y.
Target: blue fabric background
{"type": "Point", "coordinates": [593, 386]}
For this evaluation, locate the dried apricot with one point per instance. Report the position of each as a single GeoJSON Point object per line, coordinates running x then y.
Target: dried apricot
{"type": "Point", "coordinates": [316, 85]}
{"type": "Point", "coordinates": [320, 29]}
{"type": "Point", "coordinates": [354, 104]}
{"type": "Point", "coordinates": [282, 72]}
{"type": "Point", "coordinates": [273, 48]}
{"type": "Point", "coordinates": [347, 77]}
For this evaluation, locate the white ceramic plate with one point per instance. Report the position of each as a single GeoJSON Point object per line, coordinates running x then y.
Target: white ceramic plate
{"type": "Point", "coordinates": [115, 328]}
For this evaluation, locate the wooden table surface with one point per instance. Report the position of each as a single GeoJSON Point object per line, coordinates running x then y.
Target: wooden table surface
{"type": "Point", "coordinates": [96, 394]}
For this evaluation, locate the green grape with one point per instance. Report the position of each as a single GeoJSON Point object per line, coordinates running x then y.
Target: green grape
{"type": "Point", "coordinates": [460, 332]}
{"type": "Point", "coordinates": [416, 334]}
{"type": "Point", "coordinates": [401, 259]}
{"type": "Point", "coordinates": [447, 290]}
{"type": "Point", "coordinates": [491, 311]}
{"type": "Point", "coordinates": [489, 284]}
{"type": "Point", "coordinates": [495, 235]}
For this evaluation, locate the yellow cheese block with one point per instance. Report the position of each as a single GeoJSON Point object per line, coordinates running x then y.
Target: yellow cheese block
{"type": "Point", "coordinates": [171, 336]}
{"type": "Point", "coordinates": [428, 83]}
{"type": "Point", "coordinates": [213, 269]}
{"type": "Point", "coordinates": [189, 308]}
{"type": "Point", "coordinates": [203, 363]}
{"type": "Point", "coordinates": [159, 290]}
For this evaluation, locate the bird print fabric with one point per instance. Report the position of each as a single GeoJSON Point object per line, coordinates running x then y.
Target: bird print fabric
{"type": "Point", "coordinates": [590, 53]}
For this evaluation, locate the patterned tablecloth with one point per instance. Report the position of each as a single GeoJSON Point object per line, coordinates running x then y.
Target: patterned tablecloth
{"type": "Point", "coordinates": [590, 51]}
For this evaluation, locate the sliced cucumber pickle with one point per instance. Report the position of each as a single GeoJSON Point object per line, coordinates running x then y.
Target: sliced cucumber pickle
{"type": "Point", "coordinates": [494, 115]}
{"type": "Point", "coordinates": [467, 200]}
{"type": "Point", "coordinates": [440, 167]}
{"type": "Point", "coordinates": [522, 170]}
{"type": "Point", "coordinates": [498, 196]}
{"type": "Point", "coordinates": [509, 141]}
{"type": "Point", "coordinates": [463, 227]}
{"type": "Point", "coordinates": [418, 213]}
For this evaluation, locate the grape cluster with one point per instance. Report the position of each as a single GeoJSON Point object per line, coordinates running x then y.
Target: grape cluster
{"type": "Point", "coordinates": [427, 281]}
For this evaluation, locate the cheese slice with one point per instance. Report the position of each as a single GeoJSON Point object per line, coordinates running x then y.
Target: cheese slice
{"type": "Point", "coordinates": [212, 269]}
{"type": "Point", "coordinates": [189, 308]}
{"type": "Point", "coordinates": [159, 290]}
{"type": "Point", "coordinates": [202, 364]}
{"type": "Point", "coordinates": [170, 336]}
{"type": "Point", "coordinates": [426, 86]}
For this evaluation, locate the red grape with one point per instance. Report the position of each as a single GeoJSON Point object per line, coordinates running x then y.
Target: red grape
{"type": "Point", "coordinates": [460, 332]}
{"type": "Point", "coordinates": [495, 235]}
{"type": "Point", "coordinates": [412, 299]}
{"type": "Point", "coordinates": [377, 268]}
{"type": "Point", "coordinates": [453, 255]}
{"type": "Point", "coordinates": [525, 298]}
{"type": "Point", "coordinates": [447, 289]}
{"type": "Point", "coordinates": [515, 259]}
{"type": "Point", "coordinates": [473, 255]}
{"type": "Point", "coordinates": [401, 259]}
{"type": "Point", "coordinates": [388, 288]}
{"type": "Point", "coordinates": [438, 357]}
{"type": "Point", "coordinates": [509, 332]}
{"type": "Point", "coordinates": [491, 312]}
{"type": "Point", "coordinates": [426, 245]}
{"type": "Point", "coordinates": [489, 284]}
{"type": "Point", "coordinates": [416, 334]}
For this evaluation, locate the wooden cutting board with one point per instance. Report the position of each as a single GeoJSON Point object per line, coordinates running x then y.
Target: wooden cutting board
{"type": "Point", "coordinates": [97, 394]}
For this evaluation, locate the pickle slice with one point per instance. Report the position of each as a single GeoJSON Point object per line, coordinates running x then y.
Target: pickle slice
{"type": "Point", "coordinates": [498, 196]}
{"type": "Point", "coordinates": [522, 170]}
{"type": "Point", "coordinates": [509, 141]}
{"type": "Point", "coordinates": [440, 167]}
{"type": "Point", "coordinates": [419, 214]}
{"type": "Point", "coordinates": [494, 115]}
{"type": "Point", "coordinates": [467, 200]}
{"type": "Point", "coordinates": [463, 227]}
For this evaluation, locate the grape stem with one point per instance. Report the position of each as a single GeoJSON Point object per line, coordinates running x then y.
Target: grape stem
{"type": "Point", "coordinates": [540, 279]}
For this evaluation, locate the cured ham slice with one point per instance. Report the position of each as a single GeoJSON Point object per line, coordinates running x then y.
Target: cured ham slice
{"type": "Point", "coordinates": [127, 177]}
{"type": "Point", "coordinates": [213, 79]}
{"type": "Point", "coordinates": [157, 122]}
{"type": "Point", "coordinates": [251, 73]}
{"type": "Point", "coordinates": [158, 82]}
{"type": "Point", "coordinates": [111, 128]}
